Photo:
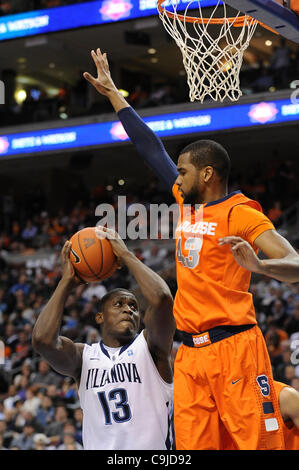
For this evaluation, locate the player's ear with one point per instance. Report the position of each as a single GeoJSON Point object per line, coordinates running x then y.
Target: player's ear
{"type": "Point", "coordinates": [99, 318]}
{"type": "Point", "coordinates": [208, 173]}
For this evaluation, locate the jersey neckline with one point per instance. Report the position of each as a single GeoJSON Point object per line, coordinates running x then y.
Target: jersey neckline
{"type": "Point", "coordinates": [218, 201]}
{"type": "Point", "coordinates": [104, 350]}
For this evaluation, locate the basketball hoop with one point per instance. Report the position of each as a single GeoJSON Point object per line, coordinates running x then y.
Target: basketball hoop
{"type": "Point", "coordinates": [212, 60]}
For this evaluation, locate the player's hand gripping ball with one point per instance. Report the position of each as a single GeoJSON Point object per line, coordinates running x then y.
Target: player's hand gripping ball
{"type": "Point", "coordinates": [93, 258]}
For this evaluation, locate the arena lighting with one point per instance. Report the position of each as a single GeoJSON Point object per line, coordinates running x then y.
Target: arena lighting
{"type": "Point", "coordinates": [211, 119]}
{"type": "Point", "coordinates": [125, 93]}
{"type": "Point", "coordinates": [20, 96]}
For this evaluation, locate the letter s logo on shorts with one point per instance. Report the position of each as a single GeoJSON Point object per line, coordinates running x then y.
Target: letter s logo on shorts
{"type": "Point", "coordinates": [201, 340]}
{"type": "Point", "coordinates": [262, 381]}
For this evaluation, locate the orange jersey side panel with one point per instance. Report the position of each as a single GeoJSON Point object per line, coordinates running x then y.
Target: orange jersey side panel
{"type": "Point", "coordinates": [212, 287]}
{"type": "Point", "coordinates": [291, 435]}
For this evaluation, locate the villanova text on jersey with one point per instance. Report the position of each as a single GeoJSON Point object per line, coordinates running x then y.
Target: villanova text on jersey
{"type": "Point", "coordinates": [119, 373]}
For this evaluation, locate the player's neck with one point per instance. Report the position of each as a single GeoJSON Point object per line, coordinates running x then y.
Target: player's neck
{"type": "Point", "coordinates": [214, 194]}
{"type": "Point", "coordinates": [113, 342]}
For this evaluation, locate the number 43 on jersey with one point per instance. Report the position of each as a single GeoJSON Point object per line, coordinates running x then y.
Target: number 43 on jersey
{"type": "Point", "coordinates": [193, 246]}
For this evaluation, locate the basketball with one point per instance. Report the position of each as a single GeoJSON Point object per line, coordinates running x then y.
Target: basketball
{"type": "Point", "coordinates": [92, 258]}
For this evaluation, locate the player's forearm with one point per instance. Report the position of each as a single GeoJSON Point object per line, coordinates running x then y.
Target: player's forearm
{"type": "Point", "coordinates": [149, 146]}
{"type": "Point", "coordinates": [47, 327]}
{"type": "Point", "coordinates": [153, 287]}
{"type": "Point", "coordinates": [284, 269]}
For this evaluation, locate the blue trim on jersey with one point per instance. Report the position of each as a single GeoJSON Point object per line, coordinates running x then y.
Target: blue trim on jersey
{"type": "Point", "coordinates": [127, 345]}
{"type": "Point", "coordinates": [104, 349]}
{"type": "Point", "coordinates": [213, 203]}
{"type": "Point", "coordinates": [121, 350]}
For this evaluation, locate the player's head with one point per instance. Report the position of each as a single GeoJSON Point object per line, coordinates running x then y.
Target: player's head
{"type": "Point", "coordinates": [202, 164]}
{"type": "Point", "coordinates": [119, 316]}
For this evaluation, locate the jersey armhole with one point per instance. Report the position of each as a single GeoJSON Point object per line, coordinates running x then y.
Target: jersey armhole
{"type": "Point", "coordinates": [168, 385]}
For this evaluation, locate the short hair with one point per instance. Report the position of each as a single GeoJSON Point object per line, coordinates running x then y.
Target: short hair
{"type": "Point", "coordinates": [209, 153]}
{"type": "Point", "coordinates": [109, 294]}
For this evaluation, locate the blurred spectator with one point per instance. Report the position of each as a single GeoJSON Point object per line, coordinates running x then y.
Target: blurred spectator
{"type": "Point", "coordinates": [275, 212]}
{"type": "Point", "coordinates": [40, 442]}
{"type": "Point", "coordinates": [32, 402]}
{"type": "Point", "coordinates": [24, 441]}
{"type": "Point", "coordinates": [69, 442]}
{"type": "Point", "coordinates": [45, 376]}
{"type": "Point", "coordinates": [264, 81]}
{"type": "Point", "coordinates": [292, 323]}
{"type": "Point", "coordinates": [78, 421]}
{"type": "Point", "coordinates": [21, 285]}
{"type": "Point", "coordinates": [138, 98]}
{"type": "Point", "coordinates": [45, 412]}
{"type": "Point", "coordinates": [54, 430]}
{"type": "Point", "coordinates": [280, 63]}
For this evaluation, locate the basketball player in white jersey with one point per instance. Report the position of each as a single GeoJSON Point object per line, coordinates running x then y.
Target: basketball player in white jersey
{"type": "Point", "coordinates": [125, 381]}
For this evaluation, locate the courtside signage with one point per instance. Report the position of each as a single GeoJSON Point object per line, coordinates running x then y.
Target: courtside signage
{"type": "Point", "coordinates": [164, 125]}
{"type": "Point", "coordinates": [78, 16]}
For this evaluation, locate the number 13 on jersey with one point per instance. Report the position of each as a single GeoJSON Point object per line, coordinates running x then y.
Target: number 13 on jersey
{"type": "Point", "coordinates": [193, 246]}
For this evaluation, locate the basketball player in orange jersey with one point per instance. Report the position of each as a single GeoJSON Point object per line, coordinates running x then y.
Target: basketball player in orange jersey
{"type": "Point", "coordinates": [223, 377]}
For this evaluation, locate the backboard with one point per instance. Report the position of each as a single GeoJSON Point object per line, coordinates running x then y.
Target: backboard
{"type": "Point", "coordinates": [270, 12]}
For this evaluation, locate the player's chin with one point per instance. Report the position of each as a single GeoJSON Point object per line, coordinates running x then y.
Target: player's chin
{"type": "Point", "coordinates": [127, 329]}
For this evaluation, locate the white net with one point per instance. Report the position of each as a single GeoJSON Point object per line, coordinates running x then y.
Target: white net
{"type": "Point", "coordinates": [212, 53]}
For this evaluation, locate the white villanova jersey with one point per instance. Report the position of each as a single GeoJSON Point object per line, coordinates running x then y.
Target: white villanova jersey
{"type": "Point", "coordinates": [124, 399]}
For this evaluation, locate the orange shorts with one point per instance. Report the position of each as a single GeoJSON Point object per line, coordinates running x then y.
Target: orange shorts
{"type": "Point", "coordinates": [224, 396]}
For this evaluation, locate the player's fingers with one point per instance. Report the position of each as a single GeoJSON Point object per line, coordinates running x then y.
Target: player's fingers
{"type": "Point", "coordinates": [100, 232]}
{"type": "Point", "coordinates": [238, 246]}
{"type": "Point", "coordinates": [229, 240]}
{"type": "Point", "coordinates": [105, 62]}
{"type": "Point", "coordinates": [97, 61]}
{"type": "Point", "coordinates": [66, 250]}
{"type": "Point", "coordinates": [90, 78]}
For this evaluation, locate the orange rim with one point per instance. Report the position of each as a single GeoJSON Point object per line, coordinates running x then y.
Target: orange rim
{"type": "Point", "coordinates": [238, 21]}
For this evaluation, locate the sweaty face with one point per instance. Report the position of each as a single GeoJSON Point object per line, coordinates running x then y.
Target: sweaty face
{"type": "Point", "coordinates": [120, 316]}
{"type": "Point", "coordinates": [188, 180]}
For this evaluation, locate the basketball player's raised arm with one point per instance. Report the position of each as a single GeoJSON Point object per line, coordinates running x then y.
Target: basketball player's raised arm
{"type": "Point", "coordinates": [282, 263]}
{"type": "Point", "coordinates": [61, 353]}
{"type": "Point", "coordinates": [148, 145]}
{"type": "Point", "coordinates": [159, 321]}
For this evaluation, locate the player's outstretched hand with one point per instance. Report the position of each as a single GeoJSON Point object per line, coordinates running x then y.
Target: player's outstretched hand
{"type": "Point", "coordinates": [68, 271]}
{"type": "Point", "coordinates": [118, 246]}
{"type": "Point", "coordinates": [243, 253]}
{"type": "Point", "coordinates": [103, 83]}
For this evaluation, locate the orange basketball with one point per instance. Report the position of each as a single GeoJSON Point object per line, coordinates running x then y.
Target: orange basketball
{"type": "Point", "coordinates": [92, 258]}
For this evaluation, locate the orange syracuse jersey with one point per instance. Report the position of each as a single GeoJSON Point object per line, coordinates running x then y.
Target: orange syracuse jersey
{"type": "Point", "coordinates": [291, 435]}
{"type": "Point", "coordinates": [212, 287]}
